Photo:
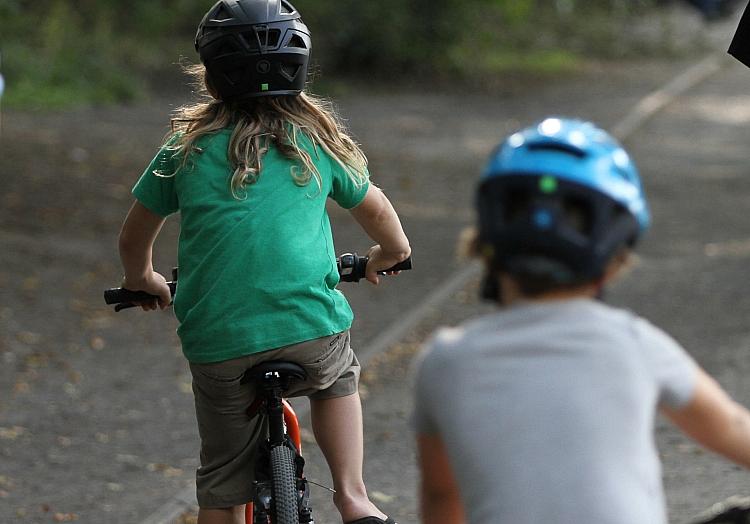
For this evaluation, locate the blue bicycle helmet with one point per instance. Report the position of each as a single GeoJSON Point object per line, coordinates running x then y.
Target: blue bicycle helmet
{"type": "Point", "coordinates": [557, 200]}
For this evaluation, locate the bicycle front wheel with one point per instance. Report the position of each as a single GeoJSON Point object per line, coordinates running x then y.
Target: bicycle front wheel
{"type": "Point", "coordinates": [284, 485]}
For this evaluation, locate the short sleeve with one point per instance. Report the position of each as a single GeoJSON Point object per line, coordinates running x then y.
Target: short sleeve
{"type": "Point", "coordinates": [673, 368]}
{"type": "Point", "coordinates": [156, 187]}
{"type": "Point", "coordinates": [345, 191]}
{"type": "Point", "coordinates": [428, 371]}
{"type": "Point", "coordinates": [740, 46]}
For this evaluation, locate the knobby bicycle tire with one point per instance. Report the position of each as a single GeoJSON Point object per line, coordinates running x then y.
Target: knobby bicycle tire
{"type": "Point", "coordinates": [284, 485]}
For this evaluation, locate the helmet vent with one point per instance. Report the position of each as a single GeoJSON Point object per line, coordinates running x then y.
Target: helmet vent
{"type": "Point", "coordinates": [286, 8]}
{"type": "Point", "coordinates": [272, 37]}
{"type": "Point", "coordinates": [222, 14]}
{"type": "Point", "coordinates": [516, 205]}
{"type": "Point", "coordinates": [578, 215]}
{"type": "Point", "coordinates": [558, 148]}
{"type": "Point", "coordinates": [261, 39]}
{"type": "Point", "coordinates": [289, 71]}
{"type": "Point", "coordinates": [296, 41]}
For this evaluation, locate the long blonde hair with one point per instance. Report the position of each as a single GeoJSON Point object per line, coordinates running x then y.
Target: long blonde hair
{"type": "Point", "coordinates": [261, 122]}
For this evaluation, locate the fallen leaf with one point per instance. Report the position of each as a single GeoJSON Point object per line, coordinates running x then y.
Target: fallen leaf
{"type": "Point", "coordinates": [10, 434]}
{"type": "Point", "coordinates": [30, 283]}
{"type": "Point", "coordinates": [127, 459]}
{"type": "Point", "coordinates": [37, 360]}
{"type": "Point", "coordinates": [379, 496]}
{"type": "Point", "coordinates": [165, 469]}
{"type": "Point", "coordinates": [171, 472]}
{"type": "Point", "coordinates": [28, 337]}
{"type": "Point", "coordinates": [70, 389]}
{"type": "Point", "coordinates": [64, 517]}
{"type": "Point", "coordinates": [101, 437]}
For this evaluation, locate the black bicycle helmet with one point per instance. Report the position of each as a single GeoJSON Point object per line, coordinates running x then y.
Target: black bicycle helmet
{"type": "Point", "coordinates": [558, 200]}
{"type": "Point", "coordinates": [254, 48]}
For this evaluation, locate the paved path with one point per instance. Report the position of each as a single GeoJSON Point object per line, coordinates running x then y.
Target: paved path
{"type": "Point", "coordinates": [95, 416]}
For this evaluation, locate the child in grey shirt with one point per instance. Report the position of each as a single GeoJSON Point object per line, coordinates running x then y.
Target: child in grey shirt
{"type": "Point", "coordinates": [544, 411]}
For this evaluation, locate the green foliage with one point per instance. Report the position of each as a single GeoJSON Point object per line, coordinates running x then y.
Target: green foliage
{"type": "Point", "coordinates": [517, 13]}
{"type": "Point", "coordinates": [64, 52]}
{"type": "Point", "coordinates": [394, 39]}
{"type": "Point", "coordinates": [56, 66]}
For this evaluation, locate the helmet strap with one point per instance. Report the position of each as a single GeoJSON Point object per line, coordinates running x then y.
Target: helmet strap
{"type": "Point", "coordinates": [490, 289]}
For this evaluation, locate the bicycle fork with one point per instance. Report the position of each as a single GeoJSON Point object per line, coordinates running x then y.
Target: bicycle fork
{"type": "Point", "coordinates": [283, 430]}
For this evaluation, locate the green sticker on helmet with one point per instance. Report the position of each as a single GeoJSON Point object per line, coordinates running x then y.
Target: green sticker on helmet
{"type": "Point", "coordinates": [548, 184]}
{"type": "Point", "coordinates": [264, 87]}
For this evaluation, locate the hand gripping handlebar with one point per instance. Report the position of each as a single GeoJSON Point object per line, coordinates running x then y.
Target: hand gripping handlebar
{"type": "Point", "coordinates": [351, 268]}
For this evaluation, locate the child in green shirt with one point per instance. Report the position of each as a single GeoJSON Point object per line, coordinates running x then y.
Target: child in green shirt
{"type": "Point", "coordinates": [250, 170]}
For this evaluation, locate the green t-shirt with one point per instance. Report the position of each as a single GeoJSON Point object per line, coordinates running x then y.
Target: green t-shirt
{"type": "Point", "coordinates": [258, 273]}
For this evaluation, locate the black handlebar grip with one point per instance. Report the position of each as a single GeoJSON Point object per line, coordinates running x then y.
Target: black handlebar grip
{"type": "Point", "coordinates": [120, 295]}
{"type": "Point", "coordinates": [353, 267]}
{"type": "Point", "coordinates": [401, 266]}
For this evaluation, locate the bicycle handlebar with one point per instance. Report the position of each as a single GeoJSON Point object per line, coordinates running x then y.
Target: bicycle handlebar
{"type": "Point", "coordinates": [734, 510]}
{"type": "Point", "coordinates": [351, 266]}
{"type": "Point", "coordinates": [121, 296]}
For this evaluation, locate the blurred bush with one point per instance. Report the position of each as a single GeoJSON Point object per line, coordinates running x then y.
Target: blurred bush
{"type": "Point", "coordinates": [68, 52]}
{"type": "Point", "coordinates": [63, 52]}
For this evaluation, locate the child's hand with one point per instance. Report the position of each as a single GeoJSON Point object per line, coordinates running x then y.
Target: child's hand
{"type": "Point", "coordinates": [153, 284]}
{"type": "Point", "coordinates": [380, 261]}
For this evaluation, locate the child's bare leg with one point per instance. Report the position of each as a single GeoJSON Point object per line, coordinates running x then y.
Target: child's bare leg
{"type": "Point", "coordinates": [337, 425]}
{"type": "Point", "coordinates": [235, 515]}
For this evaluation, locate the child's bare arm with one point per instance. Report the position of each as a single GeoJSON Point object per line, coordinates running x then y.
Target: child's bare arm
{"type": "Point", "coordinates": [440, 501]}
{"type": "Point", "coordinates": [715, 421]}
{"type": "Point", "coordinates": [136, 246]}
{"type": "Point", "coordinates": [379, 220]}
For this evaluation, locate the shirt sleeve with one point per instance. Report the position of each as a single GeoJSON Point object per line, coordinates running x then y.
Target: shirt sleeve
{"type": "Point", "coordinates": [156, 187]}
{"type": "Point", "coordinates": [740, 46]}
{"type": "Point", "coordinates": [426, 373]}
{"type": "Point", "coordinates": [345, 191]}
{"type": "Point", "coordinates": [674, 369]}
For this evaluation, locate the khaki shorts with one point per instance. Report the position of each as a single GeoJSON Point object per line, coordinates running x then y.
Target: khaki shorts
{"type": "Point", "coordinates": [229, 438]}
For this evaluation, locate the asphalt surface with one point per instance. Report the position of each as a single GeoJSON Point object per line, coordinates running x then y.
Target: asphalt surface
{"type": "Point", "coordinates": [96, 417]}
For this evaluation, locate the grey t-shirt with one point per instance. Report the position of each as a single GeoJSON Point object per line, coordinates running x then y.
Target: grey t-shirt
{"type": "Point", "coordinates": [547, 412]}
